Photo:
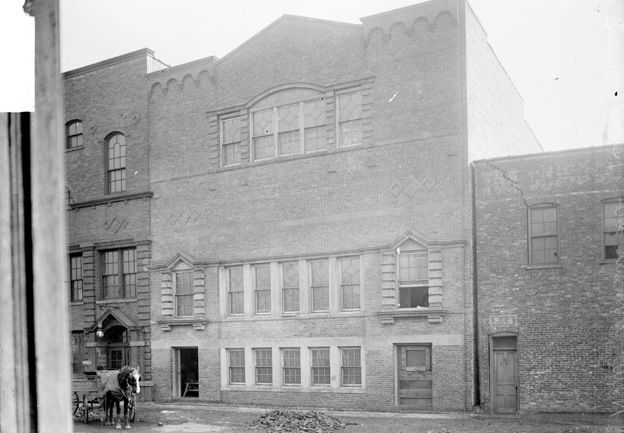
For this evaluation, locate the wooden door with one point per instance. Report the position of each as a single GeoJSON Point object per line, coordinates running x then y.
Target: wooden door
{"type": "Point", "coordinates": [414, 377]}
{"type": "Point", "coordinates": [505, 374]}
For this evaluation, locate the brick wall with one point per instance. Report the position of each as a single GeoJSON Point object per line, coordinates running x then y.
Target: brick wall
{"type": "Point", "coordinates": [562, 314]}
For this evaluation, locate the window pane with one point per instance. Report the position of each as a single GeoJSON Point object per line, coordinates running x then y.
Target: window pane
{"type": "Point", "coordinates": [231, 154]}
{"type": "Point", "coordinates": [288, 143]}
{"type": "Point", "coordinates": [544, 250]}
{"type": "Point", "coordinates": [320, 272]}
{"type": "Point", "coordinates": [320, 285]}
{"type": "Point", "coordinates": [350, 133]}
{"type": "Point", "coordinates": [416, 358]}
{"type": "Point", "coordinates": [264, 370]}
{"type": "Point", "coordinates": [413, 297]}
{"type": "Point", "coordinates": [315, 139]}
{"type": "Point", "coordinates": [290, 286]}
{"type": "Point", "coordinates": [76, 277]}
{"type": "Point", "coordinates": [291, 363]}
{"type": "Point", "coordinates": [351, 370]}
{"type": "Point", "coordinates": [288, 118]}
{"type": "Point", "coordinates": [262, 280]}
{"type": "Point", "coordinates": [320, 367]}
{"type": "Point", "coordinates": [350, 282]}
{"type": "Point", "coordinates": [237, 365]}
{"type": "Point", "coordinates": [110, 275]}
{"type": "Point", "coordinates": [263, 147]}
{"type": "Point", "coordinates": [315, 114]}
{"type": "Point", "coordinates": [413, 267]}
{"type": "Point", "coordinates": [235, 290]}
{"type": "Point", "coordinates": [231, 130]}
{"type": "Point", "coordinates": [263, 123]}
{"type": "Point", "coordinates": [77, 348]}
{"type": "Point", "coordinates": [350, 106]}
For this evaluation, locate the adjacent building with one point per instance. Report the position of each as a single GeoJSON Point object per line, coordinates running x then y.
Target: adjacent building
{"type": "Point", "coordinates": [548, 229]}
{"type": "Point", "coordinates": [290, 224]}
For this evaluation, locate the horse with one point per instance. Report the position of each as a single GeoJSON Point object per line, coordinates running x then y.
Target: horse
{"type": "Point", "coordinates": [120, 385]}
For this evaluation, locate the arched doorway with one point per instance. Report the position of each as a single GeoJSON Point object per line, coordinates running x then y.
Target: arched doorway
{"type": "Point", "coordinates": [117, 347]}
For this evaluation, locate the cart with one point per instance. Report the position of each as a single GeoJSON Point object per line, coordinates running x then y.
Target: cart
{"type": "Point", "coordinates": [88, 401]}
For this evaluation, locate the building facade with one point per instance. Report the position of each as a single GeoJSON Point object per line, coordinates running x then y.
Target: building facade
{"type": "Point", "coordinates": [108, 199]}
{"type": "Point", "coordinates": [300, 211]}
{"type": "Point", "coordinates": [549, 280]}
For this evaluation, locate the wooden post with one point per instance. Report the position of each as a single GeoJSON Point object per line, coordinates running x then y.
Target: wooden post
{"type": "Point", "coordinates": [51, 297]}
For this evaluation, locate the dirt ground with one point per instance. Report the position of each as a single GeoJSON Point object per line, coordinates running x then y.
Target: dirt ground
{"type": "Point", "coordinates": [201, 418]}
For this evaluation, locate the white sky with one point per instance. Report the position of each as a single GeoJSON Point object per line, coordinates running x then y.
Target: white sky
{"type": "Point", "coordinates": [554, 50]}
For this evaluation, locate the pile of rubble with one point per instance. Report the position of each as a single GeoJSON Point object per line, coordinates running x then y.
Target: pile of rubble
{"type": "Point", "coordinates": [291, 421]}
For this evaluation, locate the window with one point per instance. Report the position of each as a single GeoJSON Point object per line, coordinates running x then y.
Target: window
{"type": "Point", "coordinates": [349, 119]}
{"type": "Point", "coordinates": [77, 347]}
{"type": "Point", "coordinates": [75, 272]}
{"type": "Point", "coordinates": [116, 163]}
{"type": "Point", "coordinates": [74, 134]}
{"type": "Point", "coordinates": [262, 288]}
{"type": "Point", "coordinates": [230, 141]}
{"type": "Point", "coordinates": [289, 129]}
{"type": "Point", "coordinates": [262, 140]}
{"type": "Point", "coordinates": [413, 279]}
{"type": "Point", "coordinates": [235, 290]}
{"type": "Point", "coordinates": [351, 370]}
{"type": "Point", "coordinates": [292, 366]}
{"type": "Point", "coordinates": [350, 283]}
{"type": "Point", "coordinates": [319, 286]}
{"type": "Point", "coordinates": [119, 273]}
{"type": "Point", "coordinates": [613, 229]}
{"type": "Point", "coordinates": [264, 366]}
{"type": "Point", "coordinates": [543, 237]}
{"type": "Point", "coordinates": [416, 358]}
{"type": "Point", "coordinates": [237, 365]}
{"type": "Point", "coordinates": [290, 287]}
{"type": "Point", "coordinates": [320, 366]}
{"type": "Point", "coordinates": [184, 293]}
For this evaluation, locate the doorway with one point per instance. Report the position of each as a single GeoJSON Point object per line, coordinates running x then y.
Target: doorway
{"type": "Point", "coordinates": [504, 374]}
{"type": "Point", "coordinates": [414, 377]}
{"type": "Point", "coordinates": [187, 372]}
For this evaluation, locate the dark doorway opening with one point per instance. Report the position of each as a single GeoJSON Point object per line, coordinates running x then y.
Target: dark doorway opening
{"type": "Point", "coordinates": [188, 372]}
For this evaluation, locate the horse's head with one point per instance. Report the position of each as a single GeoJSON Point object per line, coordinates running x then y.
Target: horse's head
{"type": "Point", "coordinates": [130, 378]}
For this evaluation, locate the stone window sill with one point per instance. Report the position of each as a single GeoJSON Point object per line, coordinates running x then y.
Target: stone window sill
{"type": "Point", "coordinates": [198, 323]}
{"type": "Point", "coordinates": [432, 315]}
{"type": "Point", "coordinates": [72, 149]}
{"type": "Point", "coordinates": [540, 267]}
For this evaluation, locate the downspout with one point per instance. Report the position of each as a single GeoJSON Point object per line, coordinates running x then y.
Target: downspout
{"type": "Point", "coordinates": [475, 299]}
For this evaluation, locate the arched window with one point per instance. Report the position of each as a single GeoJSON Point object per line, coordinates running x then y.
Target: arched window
{"type": "Point", "coordinates": [116, 173]}
{"type": "Point", "coordinates": [73, 130]}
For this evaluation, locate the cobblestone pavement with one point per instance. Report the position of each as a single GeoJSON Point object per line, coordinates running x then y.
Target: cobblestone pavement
{"type": "Point", "coordinates": [203, 418]}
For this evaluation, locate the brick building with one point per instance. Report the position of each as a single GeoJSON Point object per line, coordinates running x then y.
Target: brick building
{"type": "Point", "coordinates": [548, 279]}
{"type": "Point", "coordinates": [300, 210]}
{"type": "Point", "coordinates": [108, 198]}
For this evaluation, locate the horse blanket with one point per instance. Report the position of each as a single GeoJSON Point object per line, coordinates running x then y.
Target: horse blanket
{"type": "Point", "coordinates": [109, 382]}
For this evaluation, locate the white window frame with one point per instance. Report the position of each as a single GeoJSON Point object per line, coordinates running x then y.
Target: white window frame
{"type": "Point", "coordinates": [175, 292]}
{"type": "Point", "coordinates": [531, 236]}
{"type": "Point", "coordinates": [222, 144]}
{"type": "Point", "coordinates": [228, 292]}
{"type": "Point", "coordinates": [342, 366]}
{"type": "Point", "coordinates": [283, 351]}
{"type": "Point", "coordinates": [255, 289]}
{"type": "Point", "coordinates": [329, 278]}
{"type": "Point", "coordinates": [340, 283]}
{"type": "Point", "coordinates": [339, 121]}
{"type": "Point", "coordinates": [229, 363]}
{"type": "Point", "coordinates": [414, 284]}
{"type": "Point", "coordinates": [282, 288]}
{"type": "Point", "coordinates": [275, 134]}
{"type": "Point", "coordinates": [270, 366]}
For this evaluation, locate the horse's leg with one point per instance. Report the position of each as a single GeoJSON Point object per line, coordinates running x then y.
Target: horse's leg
{"type": "Point", "coordinates": [126, 423]}
{"type": "Point", "coordinates": [118, 424]}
